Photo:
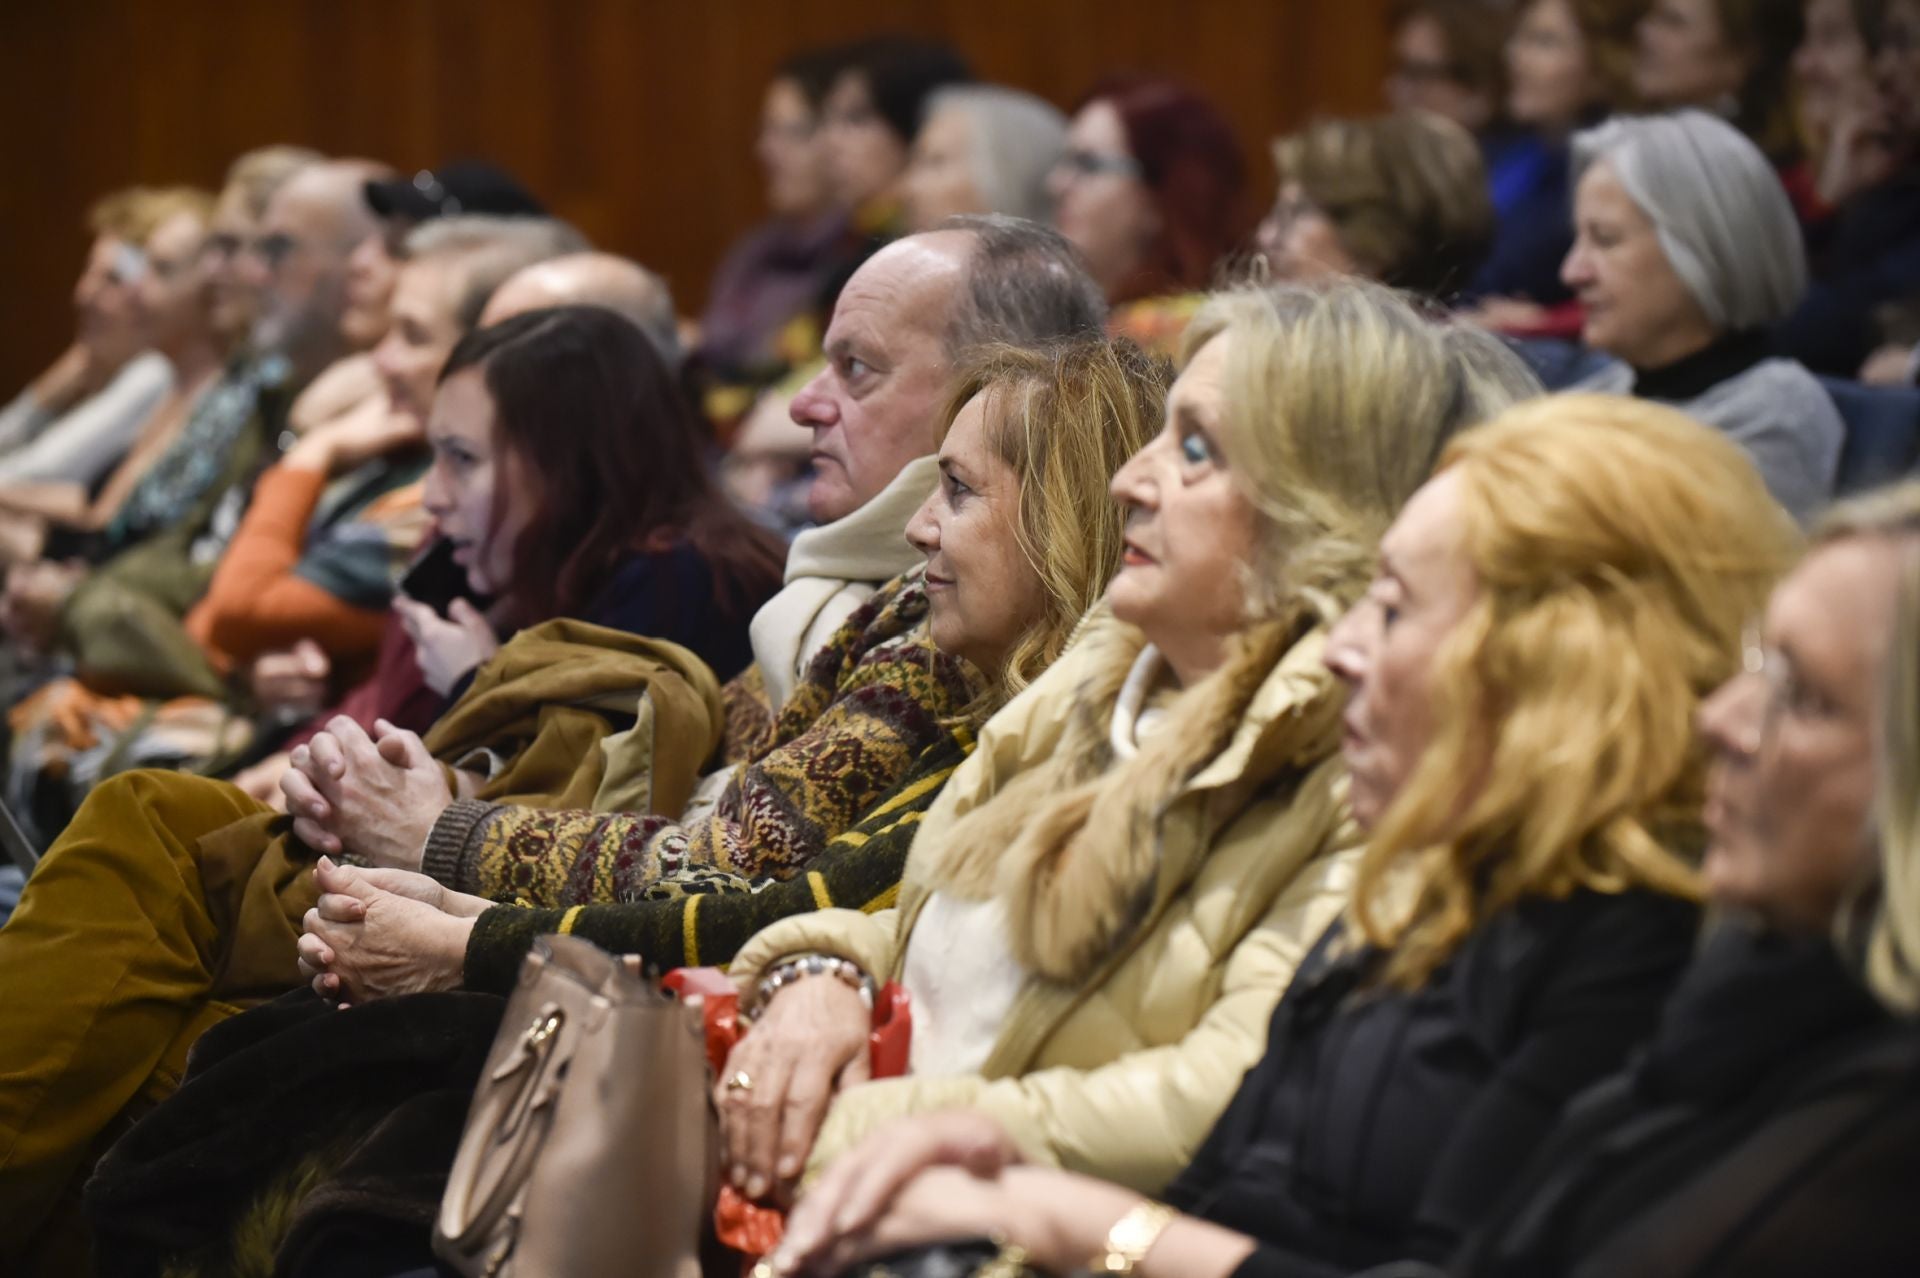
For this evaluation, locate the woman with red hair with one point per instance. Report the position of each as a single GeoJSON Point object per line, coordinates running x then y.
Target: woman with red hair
{"type": "Point", "coordinates": [1150, 191]}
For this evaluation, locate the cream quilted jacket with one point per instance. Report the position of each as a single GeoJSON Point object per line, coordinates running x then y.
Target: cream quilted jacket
{"type": "Point", "coordinates": [1123, 1076]}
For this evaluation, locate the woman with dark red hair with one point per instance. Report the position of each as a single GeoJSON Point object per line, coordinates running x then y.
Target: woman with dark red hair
{"type": "Point", "coordinates": [1150, 191]}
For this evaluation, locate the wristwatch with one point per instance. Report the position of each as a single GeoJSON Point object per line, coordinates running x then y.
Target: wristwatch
{"type": "Point", "coordinates": [1132, 1237]}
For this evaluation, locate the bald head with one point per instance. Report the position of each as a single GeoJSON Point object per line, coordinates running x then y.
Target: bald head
{"type": "Point", "coordinates": [592, 279]}
{"type": "Point", "coordinates": [309, 229]}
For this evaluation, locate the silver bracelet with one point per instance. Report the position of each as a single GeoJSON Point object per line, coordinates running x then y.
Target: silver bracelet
{"type": "Point", "coordinates": [788, 971]}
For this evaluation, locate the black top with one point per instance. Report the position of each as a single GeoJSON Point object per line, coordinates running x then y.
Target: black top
{"type": "Point", "coordinates": [1771, 1127]}
{"type": "Point", "coordinates": [1383, 1124]}
{"type": "Point", "coordinates": [1868, 254]}
{"type": "Point", "coordinates": [1729, 356]}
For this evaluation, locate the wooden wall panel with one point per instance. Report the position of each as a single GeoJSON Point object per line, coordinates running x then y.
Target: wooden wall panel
{"type": "Point", "coordinates": [633, 118]}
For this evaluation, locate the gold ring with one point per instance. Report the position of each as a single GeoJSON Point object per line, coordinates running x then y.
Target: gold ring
{"type": "Point", "coordinates": [740, 1082]}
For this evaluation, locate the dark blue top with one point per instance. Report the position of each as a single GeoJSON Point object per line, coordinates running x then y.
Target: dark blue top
{"type": "Point", "coordinates": [1530, 181]}
{"type": "Point", "coordinates": [669, 594]}
{"type": "Point", "coordinates": [1866, 254]}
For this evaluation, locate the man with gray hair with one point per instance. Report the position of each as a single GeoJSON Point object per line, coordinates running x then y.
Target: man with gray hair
{"type": "Point", "coordinates": [899, 330]}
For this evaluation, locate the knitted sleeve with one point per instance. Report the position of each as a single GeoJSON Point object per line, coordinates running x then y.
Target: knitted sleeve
{"type": "Point", "coordinates": [776, 815]}
{"type": "Point", "coordinates": [703, 916]}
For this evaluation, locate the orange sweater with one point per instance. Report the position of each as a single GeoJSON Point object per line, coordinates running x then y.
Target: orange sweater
{"type": "Point", "coordinates": [257, 603]}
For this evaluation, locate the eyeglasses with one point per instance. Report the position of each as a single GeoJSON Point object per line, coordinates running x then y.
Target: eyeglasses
{"type": "Point", "coordinates": [1084, 163]}
{"type": "Point", "coordinates": [1787, 691]}
{"type": "Point", "coordinates": [273, 250]}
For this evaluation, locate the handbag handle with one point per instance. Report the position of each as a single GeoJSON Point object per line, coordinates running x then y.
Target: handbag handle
{"type": "Point", "coordinates": [510, 1114]}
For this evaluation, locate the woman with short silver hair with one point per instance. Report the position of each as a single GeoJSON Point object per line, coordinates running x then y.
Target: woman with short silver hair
{"type": "Point", "coordinates": [984, 148]}
{"type": "Point", "coordinates": [1685, 253]}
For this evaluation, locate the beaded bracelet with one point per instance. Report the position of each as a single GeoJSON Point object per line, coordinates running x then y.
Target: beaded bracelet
{"type": "Point", "coordinates": [787, 972]}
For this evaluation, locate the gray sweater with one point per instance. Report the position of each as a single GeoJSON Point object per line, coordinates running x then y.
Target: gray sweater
{"type": "Point", "coordinates": [1775, 410]}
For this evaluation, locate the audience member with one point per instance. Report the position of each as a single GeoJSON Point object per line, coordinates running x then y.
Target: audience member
{"type": "Point", "coordinates": [1446, 61]}
{"type": "Point", "coordinates": [870, 118]}
{"type": "Point", "coordinates": [1732, 58]}
{"type": "Point", "coordinates": [1569, 65]}
{"type": "Point", "coordinates": [1149, 190]}
{"type": "Point", "coordinates": [777, 273]}
{"type": "Point", "coordinates": [461, 190]}
{"type": "Point", "coordinates": [1867, 254]}
{"type": "Point", "coordinates": [840, 674]}
{"type": "Point", "coordinates": [1182, 754]}
{"type": "Point", "coordinates": [1525, 901]}
{"type": "Point", "coordinates": [1769, 1127]}
{"type": "Point", "coordinates": [1832, 73]}
{"type": "Point", "coordinates": [568, 475]}
{"type": "Point", "coordinates": [74, 474]}
{"type": "Point", "coordinates": [1685, 253]}
{"type": "Point", "coordinates": [1017, 545]}
{"type": "Point", "coordinates": [873, 411]}
{"type": "Point", "coordinates": [397, 691]}
{"type": "Point", "coordinates": [1450, 60]}
{"type": "Point", "coordinates": [250, 182]}
{"type": "Point", "coordinates": [983, 149]}
{"type": "Point", "coordinates": [100, 390]}
{"type": "Point", "coordinates": [624, 287]}
{"type": "Point", "coordinates": [115, 606]}
{"type": "Point", "coordinates": [1399, 198]}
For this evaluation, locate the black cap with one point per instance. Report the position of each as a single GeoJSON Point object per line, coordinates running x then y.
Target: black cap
{"type": "Point", "coordinates": [469, 186]}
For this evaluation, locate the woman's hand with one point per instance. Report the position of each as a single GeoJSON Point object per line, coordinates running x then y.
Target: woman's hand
{"type": "Point", "coordinates": [941, 1205]}
{"type": "Point", "coordinates": [369, 430]}
{"type": "Point", "coordinates": [381, 933]}
{"type": "Point", "coordinates": [291, 683]}
{"type": "Point", "coordinates": [860, 1187]}
{"type": "Point", "coordinates": [379, 798]}
{"type": "Point", "coordinates": [809, 1042]}
{"type": "Point", "coordinates": [447, 647]}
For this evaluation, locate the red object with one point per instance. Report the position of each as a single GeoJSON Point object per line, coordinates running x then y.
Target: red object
{"type": "Point", "coordinates": [746, 1226]}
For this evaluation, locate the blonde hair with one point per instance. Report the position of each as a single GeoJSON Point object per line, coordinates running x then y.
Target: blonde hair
{"type": "Point", "coordinates": [255, 175]}
{"type": "Point", "coordinates": [135, 213]}
{"type": "Point", "coordinates": [1064, 417]}
{"type": "Point", "coordinates": [1893, 931]}
{"type": "Point", "coordinates": [1338, 399]}
{"type": "Point", "coordinates": [1406, 193]}
{"type": "Point", "coordinates": [1619, 547]}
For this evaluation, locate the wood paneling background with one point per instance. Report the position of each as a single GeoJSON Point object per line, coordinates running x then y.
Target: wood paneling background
{"type": "Point", "coordinates": [632, 118]}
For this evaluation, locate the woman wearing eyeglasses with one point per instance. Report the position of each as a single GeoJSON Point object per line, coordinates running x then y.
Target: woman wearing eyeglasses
{"type": "Point", "coordinates": [1149, 190]}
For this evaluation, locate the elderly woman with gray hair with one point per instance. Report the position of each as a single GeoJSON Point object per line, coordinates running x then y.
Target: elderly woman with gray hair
{"type": "Point", "coordinates": [984, 148]}
{"type": "Point", "coordinates": [1685, 253]}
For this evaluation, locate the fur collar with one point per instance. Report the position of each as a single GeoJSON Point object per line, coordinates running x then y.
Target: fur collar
{"type": "Point", "coordinates": [1074, 846]}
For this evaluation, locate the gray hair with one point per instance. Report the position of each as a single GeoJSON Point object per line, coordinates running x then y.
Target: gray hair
{"type": "Point", "coordinates": [1025, 286]}
{"type": "Point", "coordinates": [491, 249]}
{"type": "Point", "coordinates": [1014, 139]}
{"type": "Point", "coordinates": [1719, 209]}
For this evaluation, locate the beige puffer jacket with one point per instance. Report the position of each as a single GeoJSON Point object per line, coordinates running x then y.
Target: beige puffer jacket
{"type": "Point", "coordinates": [1123, 1074]}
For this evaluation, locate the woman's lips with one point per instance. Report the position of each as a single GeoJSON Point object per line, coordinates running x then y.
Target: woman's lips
{"type": "Point", "coordinates": [1132, 555]}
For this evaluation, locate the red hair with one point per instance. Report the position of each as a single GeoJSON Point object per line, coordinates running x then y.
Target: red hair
{"type": "Point", "coordinates": [1191, 164]}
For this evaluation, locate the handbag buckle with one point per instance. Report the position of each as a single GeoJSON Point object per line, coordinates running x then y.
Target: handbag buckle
{"type": "Point", "coordinates": [545, 1028]}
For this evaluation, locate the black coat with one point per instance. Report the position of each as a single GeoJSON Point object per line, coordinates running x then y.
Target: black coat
{"type": "Point", "coordinates": [1383, 1124]}
{"type": "Point", "coordinates": [1771, 1128]}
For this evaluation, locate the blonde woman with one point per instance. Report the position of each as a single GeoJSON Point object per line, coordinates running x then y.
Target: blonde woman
{"type": "Point", "coordinates": [1771, 1125]}
{"type": "Point", "coordinates": [1101, 911]}
{"type": "Point", "coordinates": [1550, 611]}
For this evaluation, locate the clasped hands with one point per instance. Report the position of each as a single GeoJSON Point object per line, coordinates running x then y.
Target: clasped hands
{"type": "Point", "coordinates": [387, 930]}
